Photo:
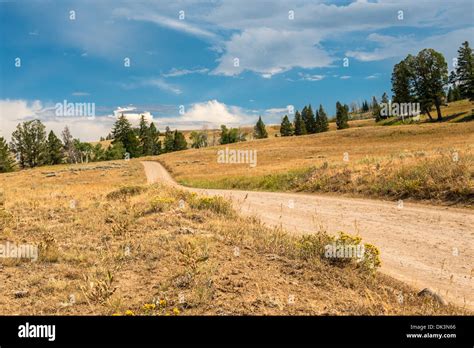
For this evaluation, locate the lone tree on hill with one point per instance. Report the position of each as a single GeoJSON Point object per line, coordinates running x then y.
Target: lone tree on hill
{"type": "Point", "coordinates": [259, 131]}
{"type": "Point", "coordinates": [342, 116]}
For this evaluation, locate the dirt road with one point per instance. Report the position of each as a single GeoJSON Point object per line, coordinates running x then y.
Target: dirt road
{"type": "Point", "coordinates": [422, 245]}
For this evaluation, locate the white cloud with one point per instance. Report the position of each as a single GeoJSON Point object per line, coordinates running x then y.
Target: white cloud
{"type": "Point", "coordinates": [179, 25]}
{"type": "Point", "coordinates": [391, 46]}
{"type": "Point", "coordinates": [345, 77]}
{"type": "Point", "coordinates": [80, 94]}
{"type": "Point", "coordinates": [152, 82]}
{"type": "Point", "coordinates": [181, 72]}
{"type": "Point", "coordinates": [372, 77]}
{"type": "Point", "coordinates": [309, 77]}
{"type": "Point", "coordinates": [268, 52]}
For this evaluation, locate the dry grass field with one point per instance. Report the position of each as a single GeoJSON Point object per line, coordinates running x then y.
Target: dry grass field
{"type": "Point", "coordinates": [425, 161]}
{"type": "Point", "coordinates": [110, 244]}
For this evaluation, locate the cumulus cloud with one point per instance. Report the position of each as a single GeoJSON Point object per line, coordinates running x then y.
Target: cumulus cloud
{"type": "Point", "coordinates": [269, 51]}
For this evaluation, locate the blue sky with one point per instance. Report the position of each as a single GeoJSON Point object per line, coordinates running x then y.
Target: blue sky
{"type": "Point", "coordinates": [189, 61]}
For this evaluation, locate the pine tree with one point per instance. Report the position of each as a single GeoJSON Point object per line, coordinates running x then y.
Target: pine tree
{"type": "Point", "coordinates": [155, 139]}
{"type": "Point", "coordinates": [7, 164]}
{"type": "Point", "coordinates": [365, 106]}
{"type": "Point", "coordinates": [259, 131]}
{"type": "Point", "coordinates": [456, 94]}
{"type": "Point", "coordinates": [465, 71]}
{"type": "Point", "coordinates": [376, 110]}
{"type": "Point", "coordinates": [29, 143]}
{"type": "Point", "coordinates": [322, 123]}
{"type": "Point", "coordinates": [54, 149]}
{"type": "Point", "coordinates": [286, 128]}
{"type": "Point", "coordinates": [309, 120]}
{"type": "Point", "coordinates": [401, 82]}
{"type": "Point", "coordinates": [179, 142]}
{"type": "Point", "coordinates": [341, 116]}
{"type": "Point", "coordinates": [124, 133]}
{"type": "Point", "coordinates": [169, 140]}
{"type": "Point", "coordinates": [300, 127]}
{"type": "Point", "coordinates": [146, 141]}
{"type": "Point", "coordinates": [450, 96]}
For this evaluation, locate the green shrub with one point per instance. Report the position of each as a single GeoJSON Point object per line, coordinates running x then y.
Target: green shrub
{"type": "Point", "coordinates": [216, 204]}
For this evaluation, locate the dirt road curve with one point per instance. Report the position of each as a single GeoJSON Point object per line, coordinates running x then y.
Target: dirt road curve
{"type": "Point", "coordinates": [422, 245]}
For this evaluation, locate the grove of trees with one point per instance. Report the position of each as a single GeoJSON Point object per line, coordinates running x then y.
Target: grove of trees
{"type": "Point", "coordinates": [423, 79]}
{"type": "Point", "coordinates": [305, 122]}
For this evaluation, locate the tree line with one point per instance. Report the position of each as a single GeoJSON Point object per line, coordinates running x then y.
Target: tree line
{"type": "Point", "coordinates": [306, 122]}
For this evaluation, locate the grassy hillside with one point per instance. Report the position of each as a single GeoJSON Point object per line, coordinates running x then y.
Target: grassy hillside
{"type": "Point", "coordinates": [108, 244]}
{"type": "Point", "coordinates": [426, 161]}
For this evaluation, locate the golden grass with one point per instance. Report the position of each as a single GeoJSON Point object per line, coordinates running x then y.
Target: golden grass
{"type": "Point", "coordinates": [111, 245]}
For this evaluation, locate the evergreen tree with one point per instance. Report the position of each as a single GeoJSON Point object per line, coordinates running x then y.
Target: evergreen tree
{"type": "Point", "coordinates": [342, 116]}
{"type": "Point", "coordinates": [465, 71]}
{"type": "Point", "coordinates": [322, 123]}
{"type": "Point", "coordinates": [115, 151]}
{"type": "Point", "coordinates": [456, 94]}
{"type": "Point", "coordinates": [450, 96]}
{"type": "Point", "coordinates": [169, 140]}
{"type": "Point", "coordinates": [309, 120]}
{"type": "Point", "coordinates": [376, 110]}
{"type": "Point", "coordinates": [146, 141]}
{"type": "Point", "coordinates": [300, 127]}
{"type": "Point", "coordinates": [29, 143]}
{"type": "Point", "coordinates": [179, 142]}
{"type": "Point", "coordinates": [429, 75]}
{"type": "Point", "coordinates": [286, 128]}
{"type": "Point", "coordinates": [54, 149]}
{"type": "Point", "coordinates": [259, 130]}
{"type": "Point", "coordinates": [7, 164]}
{"type": "Point", "coordinates": [229, 136]}
{"type": "Point", "coordinates": [124, 133]}
{"type": "Point", "coordinates": [365, 106]}
{"type": "Point", "coordinates": [401, 82]}
{"type": "Point", "coordinates": [155, 139]}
